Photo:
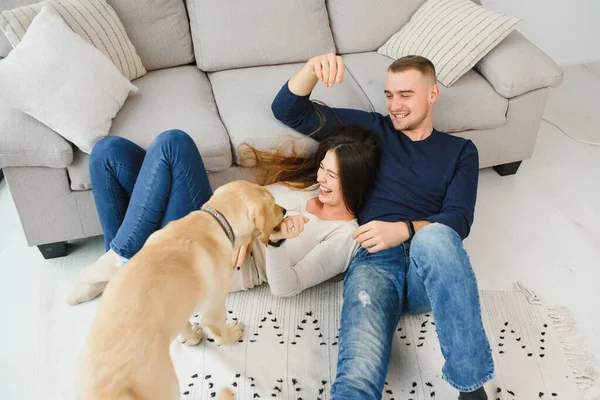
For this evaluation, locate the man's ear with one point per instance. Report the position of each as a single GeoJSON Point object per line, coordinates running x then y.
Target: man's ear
{"type": "Point", "coordinates": [434, 93]}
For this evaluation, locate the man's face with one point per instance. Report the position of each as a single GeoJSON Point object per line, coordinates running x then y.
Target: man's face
{"type": "Point", "coordinates": [410, 96]}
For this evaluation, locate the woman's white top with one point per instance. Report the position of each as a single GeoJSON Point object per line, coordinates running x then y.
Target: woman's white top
{"type": "Point", "coordinates": [319, 253]}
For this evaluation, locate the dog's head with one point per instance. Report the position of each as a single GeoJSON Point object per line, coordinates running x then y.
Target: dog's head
{"type": "Point", "coordinates": [251, 210]}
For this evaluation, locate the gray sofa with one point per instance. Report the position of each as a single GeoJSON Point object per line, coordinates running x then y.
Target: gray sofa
{"type": "Point", "coordinates": [214, 68]}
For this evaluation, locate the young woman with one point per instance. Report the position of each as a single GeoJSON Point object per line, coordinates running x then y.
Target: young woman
{"type": "Point", "coordinates": [138, 192]}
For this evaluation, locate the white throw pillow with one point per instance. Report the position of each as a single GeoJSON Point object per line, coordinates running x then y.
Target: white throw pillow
{"type": "Point", "coordinates": [453, 34]}
{"type": "Point", "coordinates": [93, 20]}
{"type": "Point", "coordinates": [61, 80]}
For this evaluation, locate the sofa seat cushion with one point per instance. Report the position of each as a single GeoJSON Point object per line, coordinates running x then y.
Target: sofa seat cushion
{"type": "Point", "coordinates": [26, 142]}
{"type": "Point", "coordinates": [244, 97]}
{"type": "Point", "coordinates": [471, 103]}
{"type": "Point", "coordinates": [173, 98]}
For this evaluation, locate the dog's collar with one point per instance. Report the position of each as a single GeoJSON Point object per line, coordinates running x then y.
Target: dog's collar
{"type": "Point", "coordinates": [222, 221]}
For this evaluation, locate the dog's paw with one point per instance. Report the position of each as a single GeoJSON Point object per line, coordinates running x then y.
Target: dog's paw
{"type": "Point", "coordinates": [226, 394]}
{"type": "Point", "coordinates": [236, 331]}
{"type": "Point", "coordinates": [191, 336]}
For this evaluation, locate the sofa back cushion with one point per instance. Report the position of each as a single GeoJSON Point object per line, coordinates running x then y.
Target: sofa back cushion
{"type": "Point", "coordinates": [159, 30]}
{"type": "Point", "coordinates": [93, 20]}
{"type": "Point", "coordinates": [240, 33]}
{"type": "Point", "coordinates": [360, 26]}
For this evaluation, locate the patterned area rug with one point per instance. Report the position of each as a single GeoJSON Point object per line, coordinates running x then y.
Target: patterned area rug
{"type": "Point", "coordinates": [289, 351]}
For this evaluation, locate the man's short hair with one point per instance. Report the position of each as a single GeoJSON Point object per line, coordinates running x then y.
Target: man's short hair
{"type": "Point", "coordinates": [421, 64]}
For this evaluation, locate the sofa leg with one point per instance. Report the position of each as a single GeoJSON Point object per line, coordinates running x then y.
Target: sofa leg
{"type": "Point", "coordinates": [1, 175]}
{"type": "Point", "coordinates": [53, 250]}
{"type": "Point", "coordinates": [507, 169]}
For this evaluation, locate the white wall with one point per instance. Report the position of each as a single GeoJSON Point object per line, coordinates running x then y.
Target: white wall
{"type": "Point", "coordinates": [566, 30]}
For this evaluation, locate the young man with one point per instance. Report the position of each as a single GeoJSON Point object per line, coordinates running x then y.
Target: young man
{"type": "Point", "coordinates": [411, 257]}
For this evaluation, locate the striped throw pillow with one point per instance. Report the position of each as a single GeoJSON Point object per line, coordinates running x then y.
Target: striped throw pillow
{"type": "Point", "coordinates": [453, 34]}
{"type": "Point", "coordinates": [93, 20]}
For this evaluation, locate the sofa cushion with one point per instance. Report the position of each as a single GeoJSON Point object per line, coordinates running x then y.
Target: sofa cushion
{"type": "Point", "coordinates": [471, 103]}
{"type": "Point", "coordinates": [93, 20]}
{"type": "Point", "coordinates": [352, 19]}
{"type": "Point", "coordinates": [453, 34]}
{"type": "Point", "coordinates": [244, 97]}
{"type": "Point", "coordinates": [173, 98]}
{"type": "Point", "coordinates": [5, 46]}
{"type": "Point", "coordinates": [381, 19]}
{"type": "Point", "coordinates": [236, 34]}
{"type": "Point", "coordinates": [517, 66]}
{"type": "Point", "coordinates": [26, 142]}
{"type": "Point", "coordinates": [61, 80]}
{"type": "Point", "coordinates": [78, 172]}
{"type": "Point", "coordinates": [159, 30]}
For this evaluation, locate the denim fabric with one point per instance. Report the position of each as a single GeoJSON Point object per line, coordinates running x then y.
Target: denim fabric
{"type": "Point", "coordinates": [430, 273]}
{"type": "Point", "coordinates": [138, 192]}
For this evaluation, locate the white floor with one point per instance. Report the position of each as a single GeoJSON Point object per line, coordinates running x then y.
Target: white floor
{"type": "Point", "coordinates": [541, 227]}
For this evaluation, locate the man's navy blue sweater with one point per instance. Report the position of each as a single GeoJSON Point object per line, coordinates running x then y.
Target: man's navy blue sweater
{"type": "Point", "coordinates": [434, 179]}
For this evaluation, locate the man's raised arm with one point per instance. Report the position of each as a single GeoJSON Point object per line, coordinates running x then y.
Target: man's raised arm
{"type": "Point", "coordinates": [293, 107]}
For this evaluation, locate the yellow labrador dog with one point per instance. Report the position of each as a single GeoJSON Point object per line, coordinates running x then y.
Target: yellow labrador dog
{"type": "Point", "coordinates": [184, 268]}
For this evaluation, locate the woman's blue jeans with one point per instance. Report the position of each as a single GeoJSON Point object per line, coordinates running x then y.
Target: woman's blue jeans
{"type": "Point", "coordinates": [430, 273]}
{"type": "Point", "coordinates": [138, 192]}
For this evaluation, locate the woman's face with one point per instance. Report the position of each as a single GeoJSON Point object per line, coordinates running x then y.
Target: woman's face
{"type": "Point", "coordinates": [330, 190]}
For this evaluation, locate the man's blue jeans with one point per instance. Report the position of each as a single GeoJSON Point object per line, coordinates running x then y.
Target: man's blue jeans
{"type": "Point", "coordinates": [430, 273]}
{"type": "Point", "coordinates": [139, 192]}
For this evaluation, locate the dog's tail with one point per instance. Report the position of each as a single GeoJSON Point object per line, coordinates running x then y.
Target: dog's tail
{"type": "Point", "coordinates": [226, 394]}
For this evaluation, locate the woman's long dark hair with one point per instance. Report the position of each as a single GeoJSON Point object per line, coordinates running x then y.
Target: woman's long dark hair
{"type": "Point", "coordinates": [357, 153]}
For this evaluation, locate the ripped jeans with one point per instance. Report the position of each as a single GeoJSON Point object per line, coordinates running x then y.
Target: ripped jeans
{"type": "Point", "coordinates": [430, 273]}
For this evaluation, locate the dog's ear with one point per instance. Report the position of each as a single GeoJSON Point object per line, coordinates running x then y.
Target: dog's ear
{"type": "Point", "coordinates": [263, 222]}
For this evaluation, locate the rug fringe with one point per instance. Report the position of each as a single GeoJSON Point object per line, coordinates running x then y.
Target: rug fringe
{"type": "Point", "coordinates": [532, 296]}
{"type": "Point", "coordinates": [579, 358]}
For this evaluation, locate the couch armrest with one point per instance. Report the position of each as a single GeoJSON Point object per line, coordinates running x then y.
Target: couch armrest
{"type": "Point", "coordinates": [516, 66]}
{"type": "Point", "coordinates": [26, 142]}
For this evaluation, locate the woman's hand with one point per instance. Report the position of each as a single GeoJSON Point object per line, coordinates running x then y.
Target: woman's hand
{"type": "Point", "coordinates": [290, 227]}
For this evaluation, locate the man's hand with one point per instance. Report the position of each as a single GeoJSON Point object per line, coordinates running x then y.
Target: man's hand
{"type": "Point", "coordinates": [378, 235]}
{"type": "Point", "coordinates": [327, 68]}
{"type": "Point", "coordinates": [290, 227]}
